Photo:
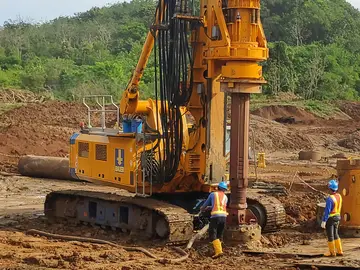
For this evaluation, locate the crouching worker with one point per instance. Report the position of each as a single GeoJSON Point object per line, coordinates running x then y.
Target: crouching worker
{"type": "Point", "coordinates": [216, 202]}
{"type": "Point", "coordinates": [331, 220]}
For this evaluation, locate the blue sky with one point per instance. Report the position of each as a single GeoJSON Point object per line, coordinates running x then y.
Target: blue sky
{"type": "Point", "coordinates": [42, 10]}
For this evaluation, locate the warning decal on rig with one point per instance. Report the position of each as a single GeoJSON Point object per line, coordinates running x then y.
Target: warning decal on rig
{"type": "Point", "coordinates": [119, 160]}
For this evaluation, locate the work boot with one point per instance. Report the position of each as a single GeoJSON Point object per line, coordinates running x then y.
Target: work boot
{"type": "Point", "coordinates": [339, 250]}
{"type": "Point", "coordinates": [332, 252]}
{"type": "Point", "coordinates": [217, 248]}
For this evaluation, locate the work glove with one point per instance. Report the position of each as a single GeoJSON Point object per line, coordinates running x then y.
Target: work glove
{"type": "Point", "coordinates": [323, 224]}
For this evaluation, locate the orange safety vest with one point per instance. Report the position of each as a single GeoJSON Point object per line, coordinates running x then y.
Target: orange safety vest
{"type": "Point", "coordinates": [337, 205]}
{"type": "Point", "coordinates": [220, 201]}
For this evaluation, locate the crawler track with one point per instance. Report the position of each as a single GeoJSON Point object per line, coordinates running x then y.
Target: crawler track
{"type": "Point", "coordinates": [270, 210]}
{"type": "Point", "coordinates": [145, 215]}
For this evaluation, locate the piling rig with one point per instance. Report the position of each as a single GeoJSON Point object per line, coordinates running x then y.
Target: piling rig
{"type": "Point", "coordinates": [170, 151]}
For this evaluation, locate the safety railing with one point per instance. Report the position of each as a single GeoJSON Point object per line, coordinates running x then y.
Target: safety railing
{"type": "Point", "coordinates": [99, 104]}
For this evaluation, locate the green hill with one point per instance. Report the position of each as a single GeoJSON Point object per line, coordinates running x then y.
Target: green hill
{"type": "Point", "coordinates": [314, 46]}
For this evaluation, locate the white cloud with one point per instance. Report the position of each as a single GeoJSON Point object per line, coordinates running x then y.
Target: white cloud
{"type": "Point", "coordinates": [355, 3]}
{"type": "Point", "coordinates": [42, 10]}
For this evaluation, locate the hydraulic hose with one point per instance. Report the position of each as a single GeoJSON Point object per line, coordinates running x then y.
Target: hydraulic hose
{"type": "Point", "coordinates": [153, 257]}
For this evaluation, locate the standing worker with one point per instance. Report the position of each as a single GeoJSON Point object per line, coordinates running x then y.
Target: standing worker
{"type": "Point", "coordinates": [331, 220]}
{"type": "Point", "coordinates": [216, 202]}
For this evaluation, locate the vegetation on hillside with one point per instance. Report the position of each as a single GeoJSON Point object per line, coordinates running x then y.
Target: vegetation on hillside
{"type": "Point", "coordinates": [314, 48]}
{"type": "Point", "coordinates": [93, 52]}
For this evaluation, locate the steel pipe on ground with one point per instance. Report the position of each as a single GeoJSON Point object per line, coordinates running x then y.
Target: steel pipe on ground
{"type": "Point", "coordinates": [44, 167]}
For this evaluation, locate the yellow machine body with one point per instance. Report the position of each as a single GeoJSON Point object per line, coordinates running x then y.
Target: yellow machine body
{"type": "Point", "coordinates": [114, 160]}
{"type": "Point", "coordinates": [105, 159]}
{"type": "Point", "coordinates": [349, 188]}
{"type": "Point", "coordinates": [229, 57]}
{"type": "Point", "coordinates": [227, 42]}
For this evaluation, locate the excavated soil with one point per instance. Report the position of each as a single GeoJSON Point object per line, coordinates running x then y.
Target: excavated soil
{"type": "Point", "coordinates": [273, 112]}
{"type": "Point", "coordinates": [329, 136]}
{"type": "Point", "coordinates": [352, 109]}
{"type": "Point", "coordinates": [22, 200]}
{"type": "Point", "coordinates": [351, 141]}
{"type": "Point", "coordinates": [272, 136]}
{"type": "Point", "coordinates": [45, 128]}
{"type": "Point", "coordinates": [39, 129]}
{"type": "Point", "coordinates": [300, 206]}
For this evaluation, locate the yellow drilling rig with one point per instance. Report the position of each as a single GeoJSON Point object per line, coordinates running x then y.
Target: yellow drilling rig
{"type": "Point", "coordinates": [170, 150]}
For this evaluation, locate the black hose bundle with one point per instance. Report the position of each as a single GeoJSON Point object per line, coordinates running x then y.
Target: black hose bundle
{"type": "Point", "coordinates": [173, 80]}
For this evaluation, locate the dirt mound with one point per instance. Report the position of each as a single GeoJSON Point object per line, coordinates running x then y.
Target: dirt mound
{"type": "Point", "coordinates": [45, 128]}
{"type": "Point", "coordinates": [39, 129]}
{"type": "Point", "coordinates": [352, 109]}
{"type": "Point", "coordinates": [351, 141]}
{"type": "Point", "coordinates": [281, 239]}
{"type": "Point", "coordinates": [273, 136]}
{"type": "Point", "coordinates": [300, 207]}
{"type": "Point", "coordinates": [273, 112]}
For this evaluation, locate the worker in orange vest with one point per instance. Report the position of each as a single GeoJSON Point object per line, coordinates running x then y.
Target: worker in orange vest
{"type": "Point", "coordinates": [331, 220]}
{"type": "Point", "coordinates": [216, 202]}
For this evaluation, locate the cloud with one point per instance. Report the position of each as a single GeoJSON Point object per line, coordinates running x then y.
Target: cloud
{"type": "Point", "coordinates": [42, 10]}
{"type": "Point", "coordinates": [355, 3]}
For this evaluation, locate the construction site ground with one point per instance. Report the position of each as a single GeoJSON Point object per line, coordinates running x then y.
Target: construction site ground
{"type": "Point", "coordinates": [44, 128]}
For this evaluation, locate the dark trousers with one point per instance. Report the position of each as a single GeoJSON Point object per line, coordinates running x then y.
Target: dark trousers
{"type": "Point", "coordinates": [216, 228]}
{"type": "Point", "coordinates": [332, 228]}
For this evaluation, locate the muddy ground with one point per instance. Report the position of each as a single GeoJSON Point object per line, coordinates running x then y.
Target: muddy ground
{"type": "Point", "coordinates": [44, 129]}
{"type": "Point", "coordinates": [22, 201]}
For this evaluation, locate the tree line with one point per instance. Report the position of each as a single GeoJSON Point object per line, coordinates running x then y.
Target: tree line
{"type": "Point", "coordinates": [314, 50]}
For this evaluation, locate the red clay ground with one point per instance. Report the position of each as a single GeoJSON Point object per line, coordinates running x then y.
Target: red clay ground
{"type": "Point", "coordinates": [40, 129]}
{"type": "Point", "coordinates": [44, 129]}
{"type": "Point", "coordinates": [22, 200]}
{"type": "Point", "coordinates": [273, 112]}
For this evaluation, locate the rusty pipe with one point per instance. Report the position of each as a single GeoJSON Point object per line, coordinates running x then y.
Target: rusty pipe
{"type": "Point", "coordinates": [239, 155]}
